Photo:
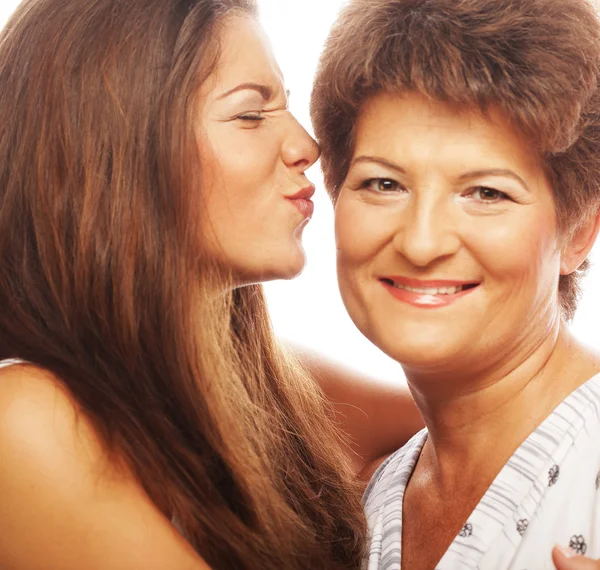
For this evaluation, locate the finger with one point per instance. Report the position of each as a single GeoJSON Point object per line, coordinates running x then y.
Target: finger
{"type": "Point", "coordinates": [565, 559]}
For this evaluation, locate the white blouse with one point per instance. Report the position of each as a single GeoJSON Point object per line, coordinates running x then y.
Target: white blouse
{"type": "Point", "coordinates": [547, 493]}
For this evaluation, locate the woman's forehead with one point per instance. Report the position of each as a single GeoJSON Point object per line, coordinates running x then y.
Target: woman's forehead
{"type": "Point", "coordinates": [245, 57]}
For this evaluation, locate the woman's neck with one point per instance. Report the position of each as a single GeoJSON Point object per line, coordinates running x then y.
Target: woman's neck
{"type": "Point", "coordinates": [477, 427]}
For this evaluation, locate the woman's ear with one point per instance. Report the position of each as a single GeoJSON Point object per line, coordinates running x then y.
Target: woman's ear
{"type": "Point", "coordinates": [579, 243]}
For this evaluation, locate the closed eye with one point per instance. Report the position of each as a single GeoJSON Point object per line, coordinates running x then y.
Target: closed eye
{"type": "Point", "coordinates": [256, 116]}
{"type": "Point", "coordinates": [251, 117]}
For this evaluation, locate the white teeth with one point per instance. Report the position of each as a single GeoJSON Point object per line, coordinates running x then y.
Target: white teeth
{"type": "Point", "coordinates": [431, 290]}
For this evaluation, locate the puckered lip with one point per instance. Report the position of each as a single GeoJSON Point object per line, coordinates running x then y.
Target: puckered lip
{"type": "Point", "coordinates": [304, 194]}
{"type": "Point", "coordinates": [428, 284]}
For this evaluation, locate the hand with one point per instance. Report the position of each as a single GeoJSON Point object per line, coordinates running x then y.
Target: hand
{"type": "Point", "coordinates": [565, 559]}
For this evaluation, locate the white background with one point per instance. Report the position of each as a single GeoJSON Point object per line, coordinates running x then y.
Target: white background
{"type": "Point", "coordinates": [309, 310]}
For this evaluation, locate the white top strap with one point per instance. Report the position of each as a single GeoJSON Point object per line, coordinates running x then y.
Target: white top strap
{"type": "Point", "coordinates": [10, 362]}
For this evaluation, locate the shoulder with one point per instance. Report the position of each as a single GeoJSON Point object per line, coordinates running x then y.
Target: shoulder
{"type": "Point", "coordinates": [40, 421]}
{"type": "Point", "coordinates": [34, 405]}
{"type": "Point", "coordinates": [26, 384]}
{"type": "Point", "coordinates": [49, 446]}
{"type": "Point", "coordinates": [64, 499]}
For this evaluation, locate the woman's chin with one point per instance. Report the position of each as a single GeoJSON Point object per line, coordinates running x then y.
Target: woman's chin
{"type": "Point", "coordinates": [292, 271]}
{"type": "Point", "coordinates": [285, 268]}
{"type": "Point", "coordinates": [292, 264]}
{"type": "Point", "coordinates": [424, 354]}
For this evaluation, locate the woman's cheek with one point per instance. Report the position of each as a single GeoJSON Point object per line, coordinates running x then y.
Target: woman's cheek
{"type": "Point", "coordinates": [359, 229]}
{"type": "Point", "coordinates": [508, 246]}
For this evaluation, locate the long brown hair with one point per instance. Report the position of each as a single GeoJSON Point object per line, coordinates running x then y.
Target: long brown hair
{"type": "Point", "coordinates": [103, 282]}
{"type": "Point", "coordinates": [537, 60]}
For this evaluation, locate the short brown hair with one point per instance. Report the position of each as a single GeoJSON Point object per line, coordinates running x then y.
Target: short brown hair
{"type": "Point", "coordinates": [536, 60]}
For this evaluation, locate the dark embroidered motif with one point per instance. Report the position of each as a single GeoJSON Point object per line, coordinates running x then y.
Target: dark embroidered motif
{"type": "Point", "coordinates": [577, 543]}
{"type": "Point", "coordinates": [522, 526]}
{"type": "Point", "coordinates": [598, 481]}
{"type": "Point", "coordinates": [466, 531]}
{"type": "Point", "coordinates": [553, 475]}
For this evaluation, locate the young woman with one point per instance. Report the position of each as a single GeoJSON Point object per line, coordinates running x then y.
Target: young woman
{"type": "Point", "coordinates": [461, 145]}
{"type": "Point", "coordinates": [150, 176]}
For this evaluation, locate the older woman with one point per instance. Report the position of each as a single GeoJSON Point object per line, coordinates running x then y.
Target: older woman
{"type": "Point", "coordinates": [151, 175]}
{"type": "Point", "coordinates": [461, 145]}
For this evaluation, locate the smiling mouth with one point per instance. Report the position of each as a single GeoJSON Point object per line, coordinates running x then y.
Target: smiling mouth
{"type": "Point", "coordinates": [446, 290]}
{"type": "Point", "coordinates": [430, 294]}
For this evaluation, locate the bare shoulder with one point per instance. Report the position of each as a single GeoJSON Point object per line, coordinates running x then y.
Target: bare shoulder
{"type": "Point", "coordinates": [31, 398]}
{"type": "Point", "coordinates": [65, 505]}
{"type": "Point", "coordinates": [42, 426]}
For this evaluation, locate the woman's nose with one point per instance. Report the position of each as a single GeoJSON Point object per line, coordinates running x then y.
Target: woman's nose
{"type": "Point", "coordinates": [427, 232]}
{"type": "Point", "coordinates": [299, 149]}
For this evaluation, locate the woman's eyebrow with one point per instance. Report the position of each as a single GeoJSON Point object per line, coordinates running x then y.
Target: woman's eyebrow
{"type": "Point", "coordinates": [493, 172]}
{"type": "Point", "coordinates": [377, 160]}
{"type": "Point", "coordinates": [462, 178]}
{"type": "Point", "coordinates": [265, 91]}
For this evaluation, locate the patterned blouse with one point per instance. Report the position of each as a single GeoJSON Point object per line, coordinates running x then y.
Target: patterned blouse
{"type": "Point", "coordinates": [547, 493]}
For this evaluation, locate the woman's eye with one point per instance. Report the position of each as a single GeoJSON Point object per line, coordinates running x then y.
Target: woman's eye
{"type": "Point", "coordinates": [485, 194]}
{"type": "Point", "coordinates": [251, 117]}
{"type": "Point", "coordinates": [381, 185]}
